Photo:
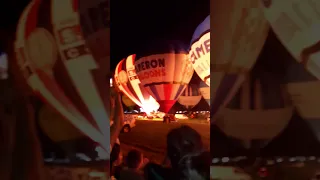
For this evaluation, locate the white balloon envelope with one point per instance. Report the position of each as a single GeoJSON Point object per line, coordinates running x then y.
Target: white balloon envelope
{"type": "Point", "coordinates": [297, 24]}
{"type": "Point", "coordinates": [199, 53]}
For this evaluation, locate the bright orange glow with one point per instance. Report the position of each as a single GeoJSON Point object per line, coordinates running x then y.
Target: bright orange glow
{"type": "Point", "coordinates": [150, 105]}
{"type": "Point", "coordinates": [126, 78]}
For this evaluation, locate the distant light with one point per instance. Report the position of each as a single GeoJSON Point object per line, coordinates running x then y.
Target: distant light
{"type": "Point", "coordinates": [312, 158]}
{"type": "Point", "coordinates": [83, 157]}
{"type": "Point", "coordinates": [302, 158]}
{"type": "Point", "coordinates": [48, 159]}
{"type": "Point", "coordinates": [292, 159]}
{"type": "Point", "coordinates": [215, 160]}
{"type": "Point", "coordinates": [270, 162]}
{"type": "Point", "coordinates": [225, 159]}
{"type": "Point", "coordinates": [279, 160]}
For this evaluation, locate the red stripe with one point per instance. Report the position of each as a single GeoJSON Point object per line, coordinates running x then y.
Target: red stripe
{"type": "Point", "coordinates": [133, 58]}
{"type": "Point", "coordinates": [125, 87]}
{"type": "Point", "coordinates": [167, 88]}
{"type": "Point", "coordinates": [32, 17]}
{"type": "Point", "coordinates": [51, 85]}
{"type": "Point", "coordinates": [65, 82]}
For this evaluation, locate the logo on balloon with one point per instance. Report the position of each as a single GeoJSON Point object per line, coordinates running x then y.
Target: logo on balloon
{"type": "Point", "coordinates": [153, 68]}
{"type": "Point", "coordinates": [123, 78]}
{"type": "Point", "coordinates": [42, 49]}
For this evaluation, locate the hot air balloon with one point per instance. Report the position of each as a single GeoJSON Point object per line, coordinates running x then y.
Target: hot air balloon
{"type": "Point", "coordinates": [164, 70]}
{"type": "Point", "coordinates": [260, 110]}
{"type": "Point", "coordinates": [129, 83]}
{"type": "Point", "coordinates": [205, 91]}
{"type": "Point", "coordinates": [297, 24]}
{"type": "Point", "coordinates": [190, 97]}
{"type": "Point", "coordinates": [58, 66]}
{"type": "Point", "coordinates": [240, 30]}
{"type": "Point", "coordinates": [199, 53]}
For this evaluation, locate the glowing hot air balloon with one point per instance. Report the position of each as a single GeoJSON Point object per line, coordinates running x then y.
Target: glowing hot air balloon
{"type": "Point", "coordinates": [164, 70]}
{"type": "Point", "coordinates": [205, 91]}
{"type": "Point", "coordinates": [297, 25]}
{"type": "Point", "coordinates": [190, 97]}
{"type": "Point", "coordinates": [260, 110]}
{"type": "Point", "coordinates": [129, 83]}
{"type": "Point", "coordinates": [57, 64]}
{"type": "Point", "coordinates": [200, 51]}
{"type": "Point", "coordinates": [239, 33]}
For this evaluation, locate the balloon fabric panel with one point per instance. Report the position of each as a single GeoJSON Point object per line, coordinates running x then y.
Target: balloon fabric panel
{"type": "Point", "coordinates": [199, 53]}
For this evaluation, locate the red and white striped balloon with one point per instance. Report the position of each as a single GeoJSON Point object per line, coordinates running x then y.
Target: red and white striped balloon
{"type": "Point", "coordinates": [128, 82]}
{"type": "Point", "coordinates": [56, 62]}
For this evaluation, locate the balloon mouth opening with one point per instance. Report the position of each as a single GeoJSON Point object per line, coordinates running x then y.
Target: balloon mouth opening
{"type": "Point", "coordinates": [149, 106]}
{"type": "Point", "coordinates": [166, 105]}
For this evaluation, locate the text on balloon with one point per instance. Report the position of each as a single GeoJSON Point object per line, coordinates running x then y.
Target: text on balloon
{"type": "Point", "coordinates": [151, 64]}
{"type": "Point", "coordinates": [200, 48]}
{"type": "Point", "coordinates": [152, 74]}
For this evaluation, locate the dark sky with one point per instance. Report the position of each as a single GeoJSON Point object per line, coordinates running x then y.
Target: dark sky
{"type": "Point", "coordinates": [134, 22]}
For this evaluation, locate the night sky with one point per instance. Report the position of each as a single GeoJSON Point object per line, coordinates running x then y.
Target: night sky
{"type": "Point", "coordinates": [134, 22]}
